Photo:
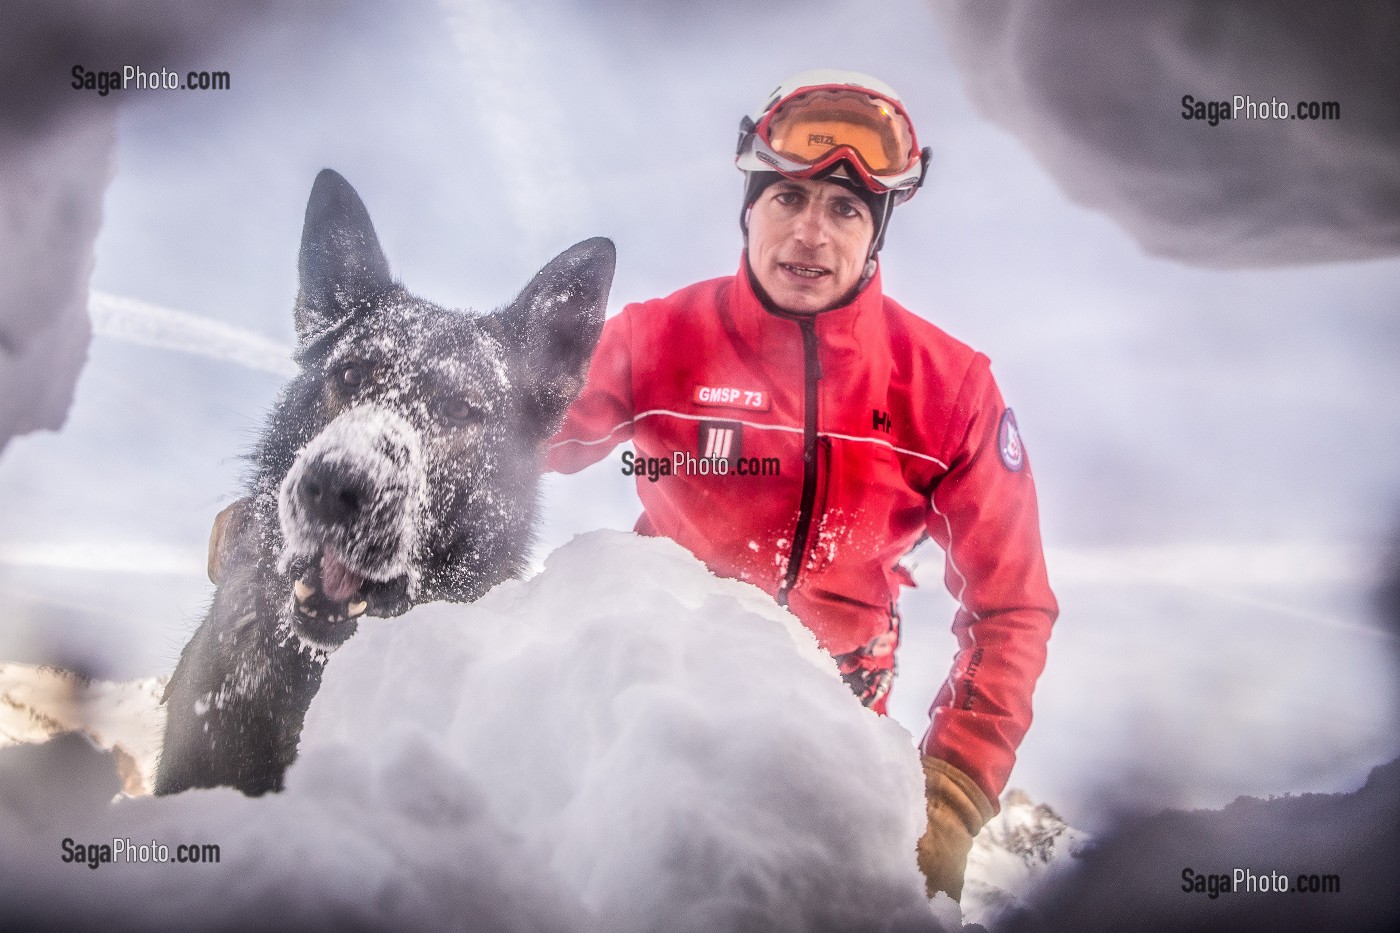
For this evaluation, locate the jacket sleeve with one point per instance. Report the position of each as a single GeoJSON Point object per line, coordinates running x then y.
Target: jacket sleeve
{"type": "Point", "coordinates": [983, 513]}
{"type": "Point", "coordinates": [601, 417]}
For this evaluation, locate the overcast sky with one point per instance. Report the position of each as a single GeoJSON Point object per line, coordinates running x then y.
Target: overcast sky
{"type": "Point", "coordinates": [1214, 448]}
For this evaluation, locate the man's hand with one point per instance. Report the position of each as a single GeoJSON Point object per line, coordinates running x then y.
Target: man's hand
{"type": "Point", "coordinates": [957, 810]}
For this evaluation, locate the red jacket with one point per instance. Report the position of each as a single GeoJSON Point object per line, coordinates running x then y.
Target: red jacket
{"type": "Point", "coordinates": [847, 437]}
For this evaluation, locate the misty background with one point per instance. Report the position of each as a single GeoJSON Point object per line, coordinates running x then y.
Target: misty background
{"type": "Point", "coordinates": [1214, 442]}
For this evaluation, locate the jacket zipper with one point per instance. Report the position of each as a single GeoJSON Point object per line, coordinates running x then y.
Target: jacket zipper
{"type": "Point", "coordinates": [811, 373]}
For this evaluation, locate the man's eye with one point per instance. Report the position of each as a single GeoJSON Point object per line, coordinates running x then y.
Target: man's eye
{"type": "Point", "coordinates": [460, 411]}
{"type": "Point", "coordinates": [354, 375]}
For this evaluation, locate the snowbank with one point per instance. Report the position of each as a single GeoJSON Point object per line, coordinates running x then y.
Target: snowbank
{"type": "Point", "coordinates": [51, 194]}
{"type": "Point", "coordinates": [57, 153]}
{"type": "Point", "coordinates": [1097, 92]}
{"type": "Point", "coordinates": [623, 742]}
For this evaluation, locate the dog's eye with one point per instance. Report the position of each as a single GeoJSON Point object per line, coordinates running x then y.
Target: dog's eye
{"type": "Point", "coordinates": [354, 375]}
{"type": "Point", "coordinates": [460, 411]}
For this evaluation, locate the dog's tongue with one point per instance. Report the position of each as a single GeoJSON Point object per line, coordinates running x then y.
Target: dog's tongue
{"type": "Point", "coordinates": [338, 581]}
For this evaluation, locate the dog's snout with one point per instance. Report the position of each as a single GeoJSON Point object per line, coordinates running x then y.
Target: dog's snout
{"type": "Point", "coordinates": [332, 494]}
{"type": "Point", "coordinates": [358, 490]}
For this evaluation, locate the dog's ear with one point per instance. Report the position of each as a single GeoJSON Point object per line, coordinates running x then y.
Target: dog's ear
{"type": "Point", "coordinates": [554, 325]}
{"type": "Point", "coordinates": [342, 267]}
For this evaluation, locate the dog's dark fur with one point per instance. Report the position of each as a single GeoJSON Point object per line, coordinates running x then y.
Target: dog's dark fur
{"type": "Point", "coordinates": [401, 465]}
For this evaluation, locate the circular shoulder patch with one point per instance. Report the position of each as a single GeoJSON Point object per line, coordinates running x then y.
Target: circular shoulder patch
{"type": "Point", "coordinates": [1013, 455]}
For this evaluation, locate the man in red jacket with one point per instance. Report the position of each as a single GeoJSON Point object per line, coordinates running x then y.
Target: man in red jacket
{"type": "Point", "coordinates": [795, 428]}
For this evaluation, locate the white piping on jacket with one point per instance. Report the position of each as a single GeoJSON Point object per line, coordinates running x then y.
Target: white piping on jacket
{"type": "Point", "coordinates": [751, 424]}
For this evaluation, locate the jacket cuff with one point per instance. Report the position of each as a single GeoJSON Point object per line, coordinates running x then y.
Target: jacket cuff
{"type": "Point", "coordinates": [938, 773]}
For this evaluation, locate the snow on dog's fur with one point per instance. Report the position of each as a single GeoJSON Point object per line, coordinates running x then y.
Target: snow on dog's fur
{"type": "Point", "coordinates": [401, 465]}
{"type": "Point", "coordinates": [379, 539]}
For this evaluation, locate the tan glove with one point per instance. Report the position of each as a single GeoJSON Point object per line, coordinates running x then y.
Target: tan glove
{"type": "Point", "coordinates": [221, 538]}
{"type": "Point", "coordinates": [957, 810]}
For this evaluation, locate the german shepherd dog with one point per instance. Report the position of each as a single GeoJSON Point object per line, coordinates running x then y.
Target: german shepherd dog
{"type": "Point", "coordinates": [401, 465]}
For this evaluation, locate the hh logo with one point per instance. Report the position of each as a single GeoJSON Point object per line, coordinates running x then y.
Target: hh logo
{"type": "Point", "coordinates": [879, 420]}
{"type": "Point", "coordinates": [721, 440]}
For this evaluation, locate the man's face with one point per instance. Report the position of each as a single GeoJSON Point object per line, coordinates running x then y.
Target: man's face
{"type": "Point", "coordinates": [807, 243]}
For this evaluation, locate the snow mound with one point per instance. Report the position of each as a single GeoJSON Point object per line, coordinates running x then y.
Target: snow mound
{"type": "Point", "coordinates": [623, 742]}
{"type": "Point", "coordinates": [51, 188]}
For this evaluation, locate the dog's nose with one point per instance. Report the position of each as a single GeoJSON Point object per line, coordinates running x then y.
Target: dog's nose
{"type": "Point", "coordinates": [331, 494]}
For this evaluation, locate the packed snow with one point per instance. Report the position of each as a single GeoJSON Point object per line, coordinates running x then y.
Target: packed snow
{"type": "Point", "coordinates": [622, 742]}
{"type": "Point", "coordinates": [1101, 93]}
{"type": "Point", "coordinates": [58, 152]}
{"type": "Point", "coordinates": [51, 187]}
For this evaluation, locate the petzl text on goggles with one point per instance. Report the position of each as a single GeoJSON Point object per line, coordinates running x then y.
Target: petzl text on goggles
{"type": "Point", "coordinates": [805, 135]}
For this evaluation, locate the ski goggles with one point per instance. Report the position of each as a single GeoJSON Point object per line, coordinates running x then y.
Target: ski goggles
{"type": "Point", "coordinates": [807, 133]}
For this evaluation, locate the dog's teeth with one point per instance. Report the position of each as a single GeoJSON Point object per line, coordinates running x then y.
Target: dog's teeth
{"type": "Point", "coordinates": [357, 608]}
{"type": "Point", "coordinates": [309, 613]}
{"type": "Point", "coordinates": [335, 619]}
{"type": "Point", "coordinates": [302, 590]}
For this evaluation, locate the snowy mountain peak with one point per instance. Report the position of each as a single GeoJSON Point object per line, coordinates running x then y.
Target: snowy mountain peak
{"type": "Point", "coordinates": [1016, 852]}
{"type": "Point", "coordinates": [1033, 831]}
{"type": "Point", "coordinates": [39, 702]}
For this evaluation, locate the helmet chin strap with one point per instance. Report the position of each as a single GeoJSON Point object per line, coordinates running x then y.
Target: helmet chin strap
{"type": "Point", "coordinates": [866, 275]}
{"type": "Point", "coordinates": [877, 240]}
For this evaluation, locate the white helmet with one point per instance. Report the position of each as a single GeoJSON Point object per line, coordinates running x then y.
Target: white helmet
{"type": "Point", "coordinates": [830, 123]}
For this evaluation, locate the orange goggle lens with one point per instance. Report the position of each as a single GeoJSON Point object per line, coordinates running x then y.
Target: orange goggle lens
{"type": "Point", "coordinates": [810, 125]}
